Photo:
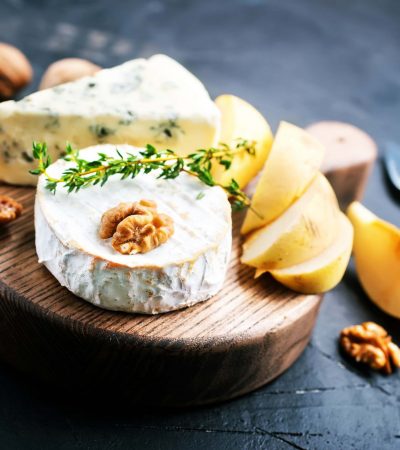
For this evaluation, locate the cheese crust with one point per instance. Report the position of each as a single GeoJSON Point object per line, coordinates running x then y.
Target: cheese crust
{"type": "Point", "coordinates": [189, 268]}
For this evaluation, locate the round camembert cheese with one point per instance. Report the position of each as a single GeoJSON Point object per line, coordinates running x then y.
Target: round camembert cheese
{"type": "Point", "coordinates": [189, 268]}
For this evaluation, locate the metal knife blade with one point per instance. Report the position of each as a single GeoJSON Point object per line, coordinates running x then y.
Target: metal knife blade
{"type": "Point", "coordinates": [391, 159]}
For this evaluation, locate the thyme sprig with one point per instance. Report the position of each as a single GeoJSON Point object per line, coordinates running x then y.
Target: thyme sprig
{"type": "Point", "coordinates": [86, 173]}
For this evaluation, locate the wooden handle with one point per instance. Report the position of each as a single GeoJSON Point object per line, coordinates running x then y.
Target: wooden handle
{"type": "Point", "coordinates": [350, 156]}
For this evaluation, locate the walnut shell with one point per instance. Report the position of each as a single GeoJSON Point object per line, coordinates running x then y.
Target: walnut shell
{"type": "Point", "coordinates": [65, 70]}
{"type": "Point", "coordinates": [15, 71]}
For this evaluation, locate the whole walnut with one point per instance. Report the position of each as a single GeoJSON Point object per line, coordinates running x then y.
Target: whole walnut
{"type": "Point", "coordinates": [15, 71]}
{"type": "Point", "coordinates": [65, 70]}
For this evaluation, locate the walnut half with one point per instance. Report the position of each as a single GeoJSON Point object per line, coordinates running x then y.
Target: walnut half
{"type": "Point", "coordinates": [136, 227]}
{"type": "Point", "coordinates": [9, 209]}
{"type": "Point", "coordinates": [369, 343]}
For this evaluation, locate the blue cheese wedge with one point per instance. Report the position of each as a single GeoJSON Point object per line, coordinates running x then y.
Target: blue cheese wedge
{"type": "Point", "coordinates": [188, 268]}
{"type": "Point", "coordinates": [154, 101]}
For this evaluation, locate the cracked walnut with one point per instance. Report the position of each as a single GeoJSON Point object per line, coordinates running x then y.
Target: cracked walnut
{"type": "Point", "coordinates": [136, 227]}
{"type": "Point", "coordinates": [370, 344]}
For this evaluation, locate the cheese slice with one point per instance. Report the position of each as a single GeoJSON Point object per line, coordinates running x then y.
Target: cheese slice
{"type": "Point", "coordinates": [189, 268]}
{"type": "Point", "coordinates": [155, 101]}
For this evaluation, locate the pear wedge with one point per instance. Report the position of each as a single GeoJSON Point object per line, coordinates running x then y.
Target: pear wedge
{"type": "Point", "coordinates": [303, 231]}
{"type": "Point", "coordinates": [240, 120]}
{"type": "Point", "coordinates": [292, 165]}
{"type": "Point", "coordinates": [377, 257]}
{"type": "Point", "coordinates": [323, 272]}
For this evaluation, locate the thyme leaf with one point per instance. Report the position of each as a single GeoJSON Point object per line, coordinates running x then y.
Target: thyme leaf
{"type": "Point", "coordinates": [82, 173]}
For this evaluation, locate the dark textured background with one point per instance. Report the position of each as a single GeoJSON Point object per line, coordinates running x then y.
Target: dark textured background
{"type": "Point", "coordinates": [301, 60]}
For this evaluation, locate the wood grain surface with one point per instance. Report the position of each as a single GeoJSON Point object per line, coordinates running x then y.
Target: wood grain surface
{"type": "Point", "coordinates": [237, 341]}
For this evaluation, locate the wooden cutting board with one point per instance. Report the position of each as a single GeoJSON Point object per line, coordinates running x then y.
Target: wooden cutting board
{"type": "Point", "coordinates": [237, 341]}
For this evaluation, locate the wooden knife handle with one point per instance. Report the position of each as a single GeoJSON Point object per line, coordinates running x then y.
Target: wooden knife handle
{"type": "Point", "coordinates": [349, 158]}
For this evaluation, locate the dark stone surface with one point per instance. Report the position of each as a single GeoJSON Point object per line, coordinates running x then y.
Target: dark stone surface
{"type": "Point", "coordinates": [301, 60]}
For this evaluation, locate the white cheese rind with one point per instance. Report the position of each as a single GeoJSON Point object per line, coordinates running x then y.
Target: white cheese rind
{"type": "Point", "coordinates": [189, 268]}
{"type": "Point", "coordinates": [155, 101]}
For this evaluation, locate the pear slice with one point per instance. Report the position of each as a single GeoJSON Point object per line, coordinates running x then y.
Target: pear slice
{"type": "Point", "coordinates": [323, 272]}
{"type": "Point", "coordinates": [292, 165]}
{"type": "Point", "coordinates": [377, 257]}
{"type": "Point", "coordinates": [240, 120]}
{"type": "Point", "coordinates": [303, 231]}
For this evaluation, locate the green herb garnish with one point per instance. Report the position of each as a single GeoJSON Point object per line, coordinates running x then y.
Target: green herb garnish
{"type": "Point", "coordinates": [86, 173]}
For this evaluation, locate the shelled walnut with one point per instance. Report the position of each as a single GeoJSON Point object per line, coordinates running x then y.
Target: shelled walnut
{"type": "Point", "coordinates": [370, 344]}
{"type": "Point", "coordinates": [9, 209]}
{"type": "Point", "coordinates": [136, 227]}
{"type": "Point", "coordinates": [15, 71]}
